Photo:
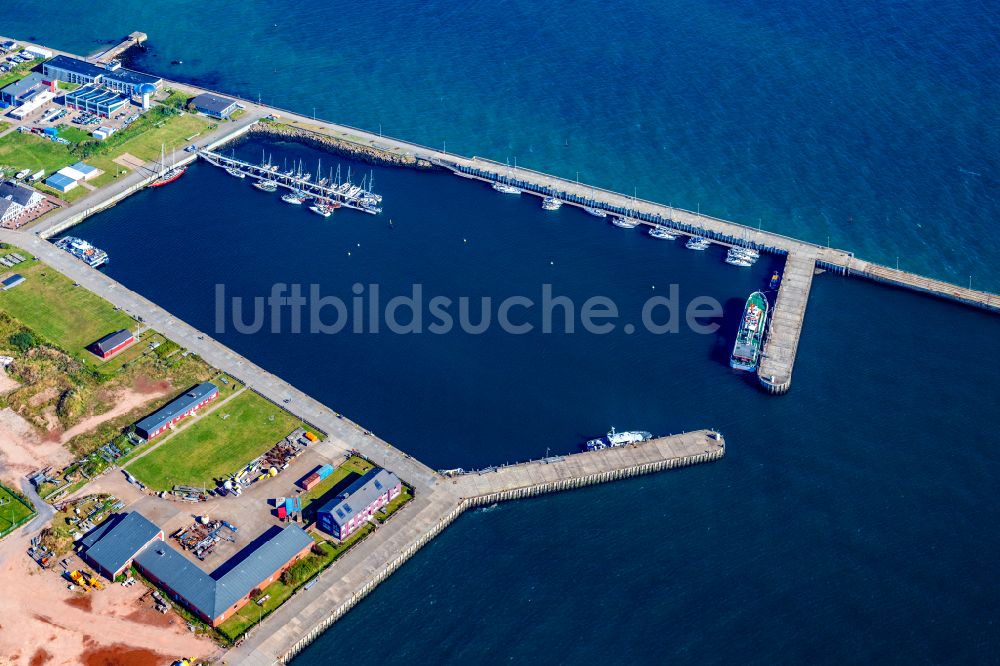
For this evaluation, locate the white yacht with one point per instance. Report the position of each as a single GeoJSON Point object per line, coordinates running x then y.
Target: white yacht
{"type": "Point", "coordinates": [661, 232]}
{"type": "Point", "coordinates": [551, 203]}
{"type": "Point", "coordinates": [295, 197]}
{"type": "Point", "coordinates": [625, 222]}
{"type": "Point", "coordinates": [698, 243]}
{"type": "Point", "coordinates": [266, 185]}
{"type": "Point", "coordinates": [504, 188]}
{"type": "Point", "coordinates": [615, 438]}
{"type": "Point", "coordinates": [596, 212]}
{"type": "Point", "coordinates": [235, 173]}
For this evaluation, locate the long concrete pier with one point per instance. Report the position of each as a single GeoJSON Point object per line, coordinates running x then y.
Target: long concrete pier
{"type": "Point", "coordinates": [134, 39]}
{"type": "Point", "coordinates": [785, 324]}
{"type": "Point", "coordinates": [310, 613]}
{"type": "Point", "coordinates": [438, 498]}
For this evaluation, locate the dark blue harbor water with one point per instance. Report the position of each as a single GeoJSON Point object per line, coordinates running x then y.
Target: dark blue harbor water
{"type": "Point", "coordinates": [853, 520]}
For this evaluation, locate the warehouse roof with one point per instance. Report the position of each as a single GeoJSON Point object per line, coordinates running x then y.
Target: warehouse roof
{"type": "Point", "coordinates": [213, 103]}
{"type": "Point", "coordinates": [12, 281]}
{"type": "Point", "coordinates": [83, 168]}
{"type": "Point", "coordinates": [116, 541]}
{"type": "Point", "coordinates": [360, 494]}
{"type": "Point", "coordinates": [177, 406]}
{"type": "Point", "coordinates": [23, 86]}
{"type": "Point", "coordinates": [213, 594]}
{"type": "Point", "coordinates": [81, 67]}
{"type": "Point", "coordinates": [131, 77]}
{"type": "Point", "coordinates": [112, 340]}
{"type": "Point", "coordinates": [59, 181]}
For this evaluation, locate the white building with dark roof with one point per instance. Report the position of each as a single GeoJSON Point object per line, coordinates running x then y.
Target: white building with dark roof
{"type": "Point", "coordinates": [15, 200]}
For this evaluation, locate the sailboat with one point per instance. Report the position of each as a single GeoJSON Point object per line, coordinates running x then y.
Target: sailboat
{"type": "Point", "coordinates": [171, 174]}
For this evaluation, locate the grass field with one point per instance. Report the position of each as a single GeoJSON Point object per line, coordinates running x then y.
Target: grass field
{"type": "Point", "coordinates": [13, 510]}
{"type": "Point", "coordinates": [27, 151]}
{"type": "Point", "coordinates": [173, 133]}
{"type": "Point", "coordinates": [347, 471]}
{"type": "Point", "coordinates": [69, 317]}
{"type": "Point", "coordinates": [216, 444]}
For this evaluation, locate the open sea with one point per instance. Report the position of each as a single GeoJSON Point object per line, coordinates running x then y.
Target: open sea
{"type": "Point", "coordinates": [853, 520]}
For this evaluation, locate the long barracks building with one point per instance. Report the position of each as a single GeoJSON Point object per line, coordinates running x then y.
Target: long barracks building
{"type": "Point", "coordinates": [130, 538]}
{"type": "Point", "coordinates": [179, 408]}
{"type": "Point", "coordinates": [113, 75]}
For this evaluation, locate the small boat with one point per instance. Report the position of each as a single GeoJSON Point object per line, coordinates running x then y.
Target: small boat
{"type": "Point", "coordinates": [747, 252]}
{"type": "Point", "coordinates": [596, 212]}
{"type": "Point", "coordinates": [661, 232]}
{"type": "Point", "coordinates": [296, 198]}
{"type": "Point", "coordinates": [551, 203]}
{"type": "Point", "coordinates": [235, 173]}
{"type": "Point", "coordinates": [750, 336]}
{"type": "Point", "coordinates": [775, 279]}
{"type": "Point", "coordinates": [698, 243]}
{"type": "Point", "coordinates": [504, 188]}
{"type": "Point", "coordinates": [266, 185]}
{"type": "Point", "coordinates": [625, 222]}
{"type": "Point", "coordinates": [325, 210]}
{"type": "Point", "coordinates": [614, 439]}
{"type": "Point", "coordinates": [734, 260]}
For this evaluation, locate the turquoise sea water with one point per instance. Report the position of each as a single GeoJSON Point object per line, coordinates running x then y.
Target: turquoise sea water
{"type": "Point", "coordinates": [871, 124]}
{"type": "Point", "coordinates": [853, 520]}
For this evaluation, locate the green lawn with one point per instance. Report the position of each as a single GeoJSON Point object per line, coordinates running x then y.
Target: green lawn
{"type": "Point", "coordinates": [216, 444]}
{"type": "Point", "coordinates": [68, 317]}
{"type": "Point", "coordinates": [13, 511]}
{"type": "Point", "coordinates": [74, 134]}
{"type": "Point", "coordinates": [28, 151]}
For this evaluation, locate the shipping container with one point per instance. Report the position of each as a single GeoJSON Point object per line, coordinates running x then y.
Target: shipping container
{"type": "Point", "coordinates": [325, 471]}
{"type": "Point", "coordinates": [311, 437]}
{"type": "Point", "coordinates": [282, 514]}
{"type": "Point", "coordinates": [309, 482]}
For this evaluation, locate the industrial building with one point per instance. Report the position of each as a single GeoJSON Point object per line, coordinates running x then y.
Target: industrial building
{"type": "Point", "coordinates": [132, 539]}
{"type": "Point", "coordinates": [69, 177]}
{"type": "Point", "coordinates": [15, 200]}
{"type": "Point", "coordinates": [215, 106]}
{"type": "Point", "coordinates": [344, 514]}
{"type": "Point", "coordinates": [112, 75]}
{"type": "Point", "coordinates": [177, 409]}
{"type": "Point", "coordinates": [112, 343]}
{"type": "Point", "coordinates": [23, 91]}
{"type": "Point", "coordinates": [111, 546]}
{"type": "Point", "coordinates": [95, 99]}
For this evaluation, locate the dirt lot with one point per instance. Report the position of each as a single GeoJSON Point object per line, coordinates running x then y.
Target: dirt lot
{"type": "Point", "coordinates": [43, 622]}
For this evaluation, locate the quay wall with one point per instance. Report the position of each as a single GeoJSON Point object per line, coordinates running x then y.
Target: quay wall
{"type": "Point", "coordinates": [466, 503]}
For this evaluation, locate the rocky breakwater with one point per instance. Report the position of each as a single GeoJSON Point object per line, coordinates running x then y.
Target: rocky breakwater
{"type": "Point", "coordinates": [365, 152]}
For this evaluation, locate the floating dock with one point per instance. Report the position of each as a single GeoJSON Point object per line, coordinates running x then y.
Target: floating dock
{"type": "Point", "coordinates": [345, 194]}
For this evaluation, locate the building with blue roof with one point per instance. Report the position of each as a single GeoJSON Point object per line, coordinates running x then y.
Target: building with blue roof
{"type": "Point", "coordinates": [21, 92]}
{"type": "Point", "coordinates": [60, 182]}
{"type": "Point", "coordinates": [215, 106]}
{"type": "Point", "coordinates": [96, 99]}
{"type": "Point", "coordinates": [112, 75]}
{"type": "Point", "coordinates": [130, 538]}
{"type": "Point", "coordinates": [352, 508]}
{"type": "Point", "coordinates": [179, 408]}
{"type": "Point", "coordinates": [111, 547]}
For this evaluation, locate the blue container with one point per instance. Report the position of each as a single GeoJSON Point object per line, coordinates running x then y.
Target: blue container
{"type": "Point", "coordinates": [51, 131]}
{"type": "Point", "coordinates": [290, 505]}
{"type": "Point", "coordinates": [325, 471]}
